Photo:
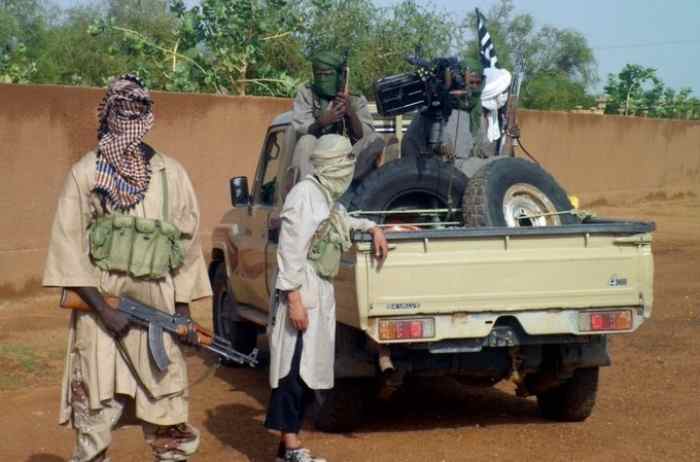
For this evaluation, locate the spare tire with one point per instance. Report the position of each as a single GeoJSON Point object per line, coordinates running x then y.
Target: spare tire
{"type": "Point", "coordinates": [423, 183]}
{"type": "Point", "coordinates": [515, 192]}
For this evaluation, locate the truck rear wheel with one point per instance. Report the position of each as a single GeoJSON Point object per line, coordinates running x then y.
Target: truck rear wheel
{"type": "Point", "coordinates": [423, 183]}
{"type": "Point", "coordinates": [242, 334]}
{"type": "Point", "coordinates": [342, 408]}
{"type": "Point", "coordinates": [573, 400]}
{"type": "Point", "coordinates": [515, 192]}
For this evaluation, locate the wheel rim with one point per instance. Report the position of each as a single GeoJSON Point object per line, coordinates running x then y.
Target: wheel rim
{"type": "Point", "coordinates": [525, 205]}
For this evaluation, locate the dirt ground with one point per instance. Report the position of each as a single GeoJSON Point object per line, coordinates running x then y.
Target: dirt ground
{"type": "Point", "coordinates": [648, 406]}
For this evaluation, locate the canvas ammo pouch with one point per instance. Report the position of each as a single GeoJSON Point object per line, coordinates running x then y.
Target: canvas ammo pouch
{"type": "Point", "coordinates": [142, 247]}
{"type": "Point", "coordinates": [324, 254]}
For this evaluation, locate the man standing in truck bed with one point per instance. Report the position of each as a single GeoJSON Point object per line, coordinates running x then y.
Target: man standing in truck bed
{"type": "Point", "coordinates": [326, 106]}
{"type": "Point", "coordinates": [315, 232]}
{"type": "Point", "coordinates": [126, 224]}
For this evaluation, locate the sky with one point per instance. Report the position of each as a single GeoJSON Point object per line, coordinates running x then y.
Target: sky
{"type": "Point", "coordinates": [664, 35]}
{"type": "Point", "coordinates": [661, 34]}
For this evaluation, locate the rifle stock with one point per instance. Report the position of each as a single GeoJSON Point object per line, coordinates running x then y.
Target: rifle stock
{"type": "Point", "coordinates": [72, 301]}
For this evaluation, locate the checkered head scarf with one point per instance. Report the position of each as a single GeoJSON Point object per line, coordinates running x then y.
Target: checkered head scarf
{"type": "Point", "coordinates": [123, 170]}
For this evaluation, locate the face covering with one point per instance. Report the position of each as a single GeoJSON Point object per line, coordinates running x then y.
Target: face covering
{"type": "Point", "coordinates": [328, 74]}
{"type": "Point", "coordinates": [333, 165]}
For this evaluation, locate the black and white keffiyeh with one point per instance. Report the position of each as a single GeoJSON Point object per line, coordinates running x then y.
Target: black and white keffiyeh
{"type": "Point", "coordinates": [123, 169]}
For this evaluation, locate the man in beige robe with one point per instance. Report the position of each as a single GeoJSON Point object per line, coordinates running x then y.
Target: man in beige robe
{"type": "Point", "coordinates": [302, 326]}
{"type": "Point", "coordinates": [126, 176]}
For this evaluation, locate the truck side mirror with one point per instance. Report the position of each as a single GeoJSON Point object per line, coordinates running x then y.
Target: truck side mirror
{"type": "Point", "coordinates": [240, 197]}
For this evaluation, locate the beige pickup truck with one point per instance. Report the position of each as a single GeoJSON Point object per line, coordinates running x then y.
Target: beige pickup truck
{"type": "Point", "coordinates": [533, 301]}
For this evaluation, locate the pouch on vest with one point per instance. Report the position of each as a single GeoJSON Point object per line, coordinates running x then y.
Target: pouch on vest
{"type": "Point", "coordinates": [325, 255]}
{"type": "Point", "coordinates": [101, 241]}
{"type": "Point", "coordinates": [177, 248]}
{"type": "Point", "coordinates": [169, 252]}
{"type": "Point", "coordinates": [122, 240]}
{"type": "Point", "coordinates": [144, 248]}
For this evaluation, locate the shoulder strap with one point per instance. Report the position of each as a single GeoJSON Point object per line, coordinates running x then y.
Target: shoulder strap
{"type": "Point", "coordinates": [164, 181]}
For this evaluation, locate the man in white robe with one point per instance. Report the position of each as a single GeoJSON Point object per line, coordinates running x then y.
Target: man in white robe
{"type": "Point", "coordinates": [302, 332]}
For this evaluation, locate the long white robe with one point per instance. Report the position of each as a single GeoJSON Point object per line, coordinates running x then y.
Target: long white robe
{"type": "Point", "coordinates": [304, 209]}
{"type": "Point", "coordinates": [90, 347]}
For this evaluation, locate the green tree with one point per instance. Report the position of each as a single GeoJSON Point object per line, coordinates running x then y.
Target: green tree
{"type": "Point", "coordinates": [217, 46]}
{"type": "Point", "coordinates": [635, 90]}
{"type": "Point", "coordinates": [555, 91]}
{"type": "Point", "coordinates": [378, 39]}
{"type": "Point", "coordinates": [22, 27]}
{"type": "Point", "coordinates": [400, 31]}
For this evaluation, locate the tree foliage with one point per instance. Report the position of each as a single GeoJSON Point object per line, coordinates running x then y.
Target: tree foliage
{"type": "Point", "coordinates": [262, 47]}
{"type": "Point", "coordinates": [637, 90]}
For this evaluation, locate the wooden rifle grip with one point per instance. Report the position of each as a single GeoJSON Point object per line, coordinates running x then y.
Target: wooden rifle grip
{"type": "Point", "coordinates": [72, 301]}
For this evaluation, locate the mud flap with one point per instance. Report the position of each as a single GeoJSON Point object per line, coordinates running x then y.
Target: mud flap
{"type": "Point", "coordinates": [580, 355]}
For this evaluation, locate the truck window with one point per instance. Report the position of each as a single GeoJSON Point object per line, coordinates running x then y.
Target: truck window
{"type": "Point", "coordinates": [267, 176]}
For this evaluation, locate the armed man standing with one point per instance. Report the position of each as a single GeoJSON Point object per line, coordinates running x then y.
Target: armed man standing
{"type": "Point", "coordinates": [315, 232]}
{"type": "Point", "coordinates": [325, 106]}
{"type": "Point", "coordinates": [126, 224]}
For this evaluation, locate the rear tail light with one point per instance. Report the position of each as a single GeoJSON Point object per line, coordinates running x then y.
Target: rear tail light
{"type": "Point", "coordinates": [406, 329]}
{"type": "Point", "coordinates": [593, 321]}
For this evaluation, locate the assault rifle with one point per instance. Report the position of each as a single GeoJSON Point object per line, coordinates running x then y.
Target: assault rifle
{"type": "Point", "coordinates": [157, 322]}
{"type": "Point", "coordinates": [510, 130]}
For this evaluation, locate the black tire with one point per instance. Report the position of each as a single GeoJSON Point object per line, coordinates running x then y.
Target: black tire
{"type": "Point", "coordinates": [573, 400]}
{"type": "Point", "coordinates": [410, 183]}
{"type": "Point", "coordinates": [342, 408]}
{"type": "Point", "coordinates": [484, 197]}
{"type": "Point", "coordinates": [242, 334]}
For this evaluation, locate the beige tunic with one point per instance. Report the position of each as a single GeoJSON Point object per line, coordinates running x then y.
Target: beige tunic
{"type": "Point", "coordinates": [91, 350]}
{"type": "Point", "coordinates": [303, 114]}
{"type": "Point", "coordinates": [304, 209]}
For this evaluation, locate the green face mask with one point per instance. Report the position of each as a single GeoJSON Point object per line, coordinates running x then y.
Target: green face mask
{"type": "Point", "coordinates": [326, 82]}
{"type": "Point", "coordinates": [328, 74]}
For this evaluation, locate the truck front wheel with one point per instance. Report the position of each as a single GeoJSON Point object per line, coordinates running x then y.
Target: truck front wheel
{"type": "Point", "coordinates": [242, 334]}
{"type": "Point", "coordinates": [573, 400]}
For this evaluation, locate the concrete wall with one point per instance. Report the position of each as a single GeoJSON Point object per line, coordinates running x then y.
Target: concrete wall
{"type": "Point", "coordinates": [44, 129]}
{"type": "Point", "coordinates": [598, 156]}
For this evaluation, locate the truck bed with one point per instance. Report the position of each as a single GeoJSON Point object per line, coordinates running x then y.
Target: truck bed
{"type": "Point", "coordinates": [468, 278]}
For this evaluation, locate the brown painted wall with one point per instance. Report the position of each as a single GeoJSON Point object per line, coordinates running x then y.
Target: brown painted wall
{"type": "Point", "coordinates": [44, 129]}
{"type": "Point", "coordinates": [609, 156]}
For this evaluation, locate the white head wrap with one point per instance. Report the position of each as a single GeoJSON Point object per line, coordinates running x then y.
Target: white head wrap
{"type": "Point", "coordinates": [332, 166]}
{"type": "Point", "coordinates": [333, 169]}
{"type": "Point", "coordinates": [493, 97]}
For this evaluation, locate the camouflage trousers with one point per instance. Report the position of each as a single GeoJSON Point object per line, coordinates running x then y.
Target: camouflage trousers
{"type": "Point", "coordinates": [94, 430]}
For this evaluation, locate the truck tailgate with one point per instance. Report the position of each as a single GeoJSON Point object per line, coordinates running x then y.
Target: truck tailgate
{"type": "Point", "coordinates": [468, 270]}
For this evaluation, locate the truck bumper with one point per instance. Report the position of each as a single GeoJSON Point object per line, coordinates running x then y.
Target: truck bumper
{"type": "Point", "coordinates": [542, 326]}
